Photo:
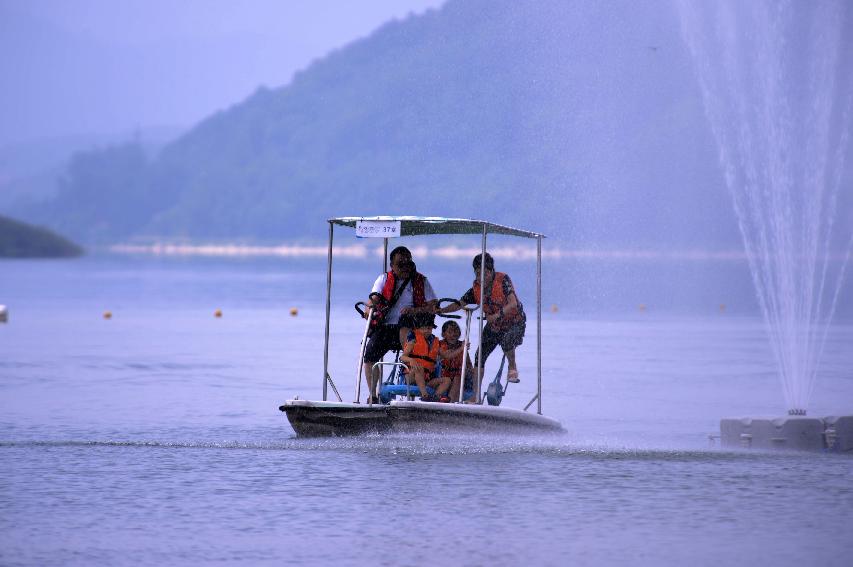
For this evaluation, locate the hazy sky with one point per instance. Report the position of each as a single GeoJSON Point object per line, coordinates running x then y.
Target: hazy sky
{"type": "Point", "coordinates": [108, 66]}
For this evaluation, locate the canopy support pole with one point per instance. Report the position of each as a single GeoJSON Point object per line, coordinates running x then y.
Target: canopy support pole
{"type": "Point", "coordinates": [536, 397]}
{"type": "Point", "coordinates": [480, 362]}
{"type": "Point", "coordinates": [467, 341]}
{"type": "Point", "coordinates": [385, 257]}
{"type": "Point", "coordinates": [328, 314]}
{"type": "Point", "coordinates": [539, 324]}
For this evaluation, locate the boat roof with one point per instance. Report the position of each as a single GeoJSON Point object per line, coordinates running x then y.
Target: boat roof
{"type": "Point", "coordinates": [413, 226]}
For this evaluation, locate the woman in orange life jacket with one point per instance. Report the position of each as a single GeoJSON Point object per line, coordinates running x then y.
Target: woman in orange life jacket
{"type": "Point", "coordinates": [450, 356]}
{"type": "Point", "coordinates": [420, 354]}
{"type": "Point", "coordinates": [505, 318]}
{"type": "Point", "coordinates": [409, 293]}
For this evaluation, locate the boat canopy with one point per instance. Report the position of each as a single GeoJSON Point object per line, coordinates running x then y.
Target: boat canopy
{"type": "Point", "coordinates": [414, 226]}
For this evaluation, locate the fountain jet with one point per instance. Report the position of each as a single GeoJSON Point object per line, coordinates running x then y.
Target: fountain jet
{"type": "Point", "coordinates": [777, 85]}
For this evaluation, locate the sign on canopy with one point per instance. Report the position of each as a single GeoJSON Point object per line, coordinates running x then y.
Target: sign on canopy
{"type": "Point", "coordinates": [377, 229]}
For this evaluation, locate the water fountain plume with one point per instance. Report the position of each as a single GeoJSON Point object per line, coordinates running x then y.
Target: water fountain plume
{"type": "Point", "coordinates": [778, 93]}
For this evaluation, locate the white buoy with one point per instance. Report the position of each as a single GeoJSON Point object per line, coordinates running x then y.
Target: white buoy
{"type": "Point", "coordinates": [4, 314]}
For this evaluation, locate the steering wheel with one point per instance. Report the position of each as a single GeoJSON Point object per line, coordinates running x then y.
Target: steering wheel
{"type": "Point", "coordinates": [378, 301]}
{"type": "Point", "coordinates": [449, 300]}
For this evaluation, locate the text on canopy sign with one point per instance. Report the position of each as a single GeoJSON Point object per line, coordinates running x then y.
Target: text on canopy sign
{"type": "Point", "coordinates": [377, 229]}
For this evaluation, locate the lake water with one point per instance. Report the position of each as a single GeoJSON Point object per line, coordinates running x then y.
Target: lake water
{"type": "Point", "coordinates": [154, 437]}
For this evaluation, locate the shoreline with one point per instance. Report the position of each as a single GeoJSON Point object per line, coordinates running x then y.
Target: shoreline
{"type": "Point", "coordinates": [447, 252]}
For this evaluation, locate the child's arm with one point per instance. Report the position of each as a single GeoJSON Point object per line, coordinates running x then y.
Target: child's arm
{"type": "Point", "coordinates": [443, 354]}
{"type": "Point", "coordinates": [407, 350]}
{"type": "Point", "coordinates": [455, 352]}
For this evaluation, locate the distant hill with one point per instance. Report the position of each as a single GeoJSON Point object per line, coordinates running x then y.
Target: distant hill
{"type": "Point", "coordinates": [30, 171]}
{"type": "Point", "coordinates": [579, 119]}
{"type": "Point", "coordinates": [21, 240]}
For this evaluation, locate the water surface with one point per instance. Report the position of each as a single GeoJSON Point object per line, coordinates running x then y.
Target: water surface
{"type": "Point", "coordinates": [154, 437]}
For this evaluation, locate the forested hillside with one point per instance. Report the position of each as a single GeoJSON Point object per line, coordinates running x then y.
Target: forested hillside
{"type": "Point", "coordinates": [20, 240]}
{"type": "Point", "coordinates": [578, 119]}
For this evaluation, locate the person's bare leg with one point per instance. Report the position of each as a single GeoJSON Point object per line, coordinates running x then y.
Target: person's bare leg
{"type": "Point", "coordinates": [512, 371]}
{"type": "Point", "coordinates": [454, 389]}
{"type": "Point", "coordinates": [418, 375]}
{"type": "Point", "coordinates": [443, 385]}
{"type": "Point", "coordinates": [371, 376]}
{"type": "Point", "coordinates": [440, 385]}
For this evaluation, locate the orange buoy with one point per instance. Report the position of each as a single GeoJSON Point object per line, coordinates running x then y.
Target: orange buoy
{"type": "Point", "coordinates": [554, 309]}
{"type": "Point", "coordinates": [217, 313]}
{"type": "Point", "coordinates": [722, 307]}
{"type": "Point", "coordinates": [294, 311]}
{"type": "Point", "coordinates": [108, 314]}
{"type": "Point", "coordinates": [642, 307]}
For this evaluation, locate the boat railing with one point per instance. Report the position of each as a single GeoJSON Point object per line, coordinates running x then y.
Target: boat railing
{"type": "Point", "coordinates": [396, 364]}
{"type": "Point", "coordinates": [334, 388]}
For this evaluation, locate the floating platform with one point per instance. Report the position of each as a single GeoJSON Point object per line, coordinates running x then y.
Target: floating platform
{"type": "Point", "coordinates": [798, 433]}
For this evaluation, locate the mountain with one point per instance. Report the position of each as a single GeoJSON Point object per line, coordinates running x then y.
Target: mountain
{"type": "Point", "coordinates": [579, 119]}
{"type": "Point", "coordinates": [20, 240]}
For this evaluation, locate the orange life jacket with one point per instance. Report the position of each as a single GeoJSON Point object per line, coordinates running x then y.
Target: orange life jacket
{"type": "Point", "coordinates": [380, 310]}
{"type": "Point", "coordinates": [450, 367]}
{"type": "Point", "coordinates": [496, 300]}
{"type": "Point", "coordinates": [425, 350]}
{"type": "Point", "coordinates": [418, 295]}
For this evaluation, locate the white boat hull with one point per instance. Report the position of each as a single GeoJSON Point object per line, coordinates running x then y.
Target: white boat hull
{"type": "Point", "coordinates": [319, 419]}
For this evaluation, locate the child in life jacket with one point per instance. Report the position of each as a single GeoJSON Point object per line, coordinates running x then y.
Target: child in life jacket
{"type": "Point", "coordinates": [420, 354]}
{"type": "Point", "coordinates": [450, 356]}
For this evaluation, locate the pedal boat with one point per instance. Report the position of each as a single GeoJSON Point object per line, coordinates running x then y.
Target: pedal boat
{"type": "Point", "coordinates": [400, 412]}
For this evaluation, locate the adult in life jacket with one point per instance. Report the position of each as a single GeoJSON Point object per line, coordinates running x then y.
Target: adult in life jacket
{"type": "Point", "coordinates": [420, 354]}
{"type": "Point", "coordinates": [407, 293]}
{"type": "Point", "coordinates": [505, 318]}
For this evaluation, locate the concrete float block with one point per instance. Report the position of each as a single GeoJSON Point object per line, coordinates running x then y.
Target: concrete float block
{"type": "Point", "coordinates": [800, 433]}
{"type": "Point", "coordinates": [839, 433]}
{"type": "Point", "coordinates": [736, 432]}
{"type": "Point", "coordinates": [795, 433]}
{"type": "Point", "coordinates": [746, 433]}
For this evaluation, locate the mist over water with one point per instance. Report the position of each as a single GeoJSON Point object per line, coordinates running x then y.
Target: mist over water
{"type": "Point", "coordinates": [778, 90]}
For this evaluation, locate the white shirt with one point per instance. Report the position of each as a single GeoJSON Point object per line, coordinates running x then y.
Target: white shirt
{"type": "Point", "coordinates": [407, 298]}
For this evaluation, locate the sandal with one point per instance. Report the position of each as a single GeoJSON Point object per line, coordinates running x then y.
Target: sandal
{"type": "Point", "coordinates": [512, 376]}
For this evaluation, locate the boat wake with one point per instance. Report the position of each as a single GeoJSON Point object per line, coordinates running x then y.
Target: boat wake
{"type": "Point", "coordinates": [409, 444]}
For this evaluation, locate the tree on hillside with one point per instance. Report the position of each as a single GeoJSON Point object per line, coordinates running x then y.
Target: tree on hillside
{"type": "Point", "coordinates": [104, 195]}
{"type": "Point", "coordinates": [21, 240]}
